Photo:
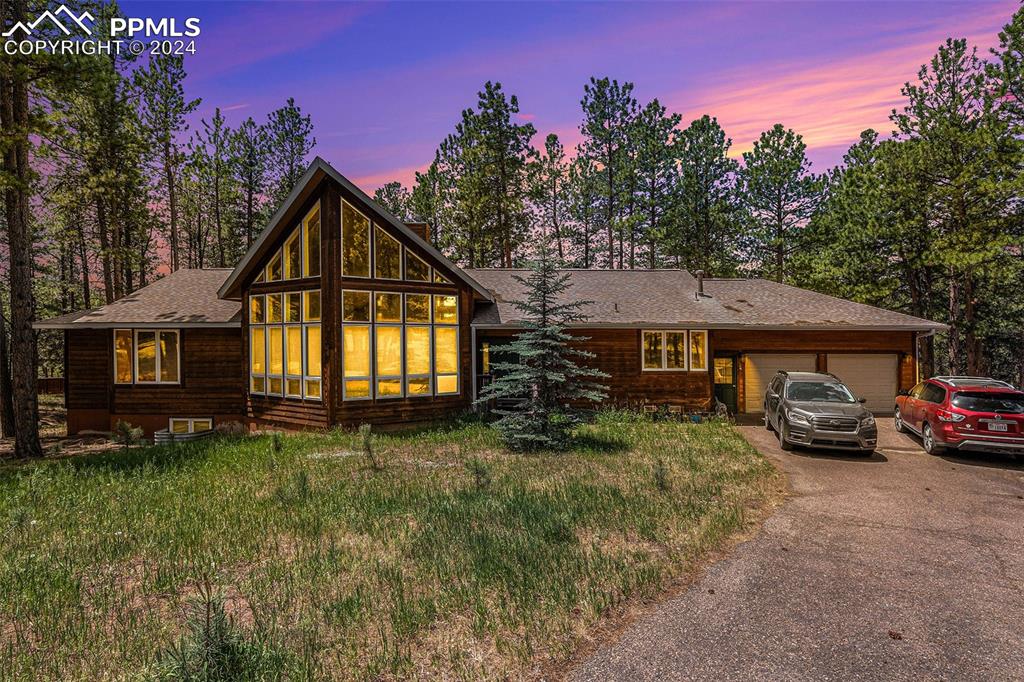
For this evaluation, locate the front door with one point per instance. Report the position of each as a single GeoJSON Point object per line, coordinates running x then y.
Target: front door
{"type": "Point", "coordinates": [725, 381]}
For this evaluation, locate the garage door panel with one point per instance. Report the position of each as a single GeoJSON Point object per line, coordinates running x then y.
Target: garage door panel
{"type": "Point", "coordinates": [759, 368]}
{"type": "Point", "coordinates": [873, 376]}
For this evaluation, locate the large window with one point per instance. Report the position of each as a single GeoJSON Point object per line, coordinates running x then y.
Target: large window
{"type": "Point", "coordinates": [399, 345]}
{"type": "Point", "coordinates": [387, 255]}
{"type": "Point", "coordinates": [355, 242]}
{"type": "Point", "coordinates": [146, 356]}
{"type": "Point", "coordinates": [300, 254]}
{"type": "Point", "coordinates": [284, 345]}
{"type": "Point", "coordinates": [669, 351]}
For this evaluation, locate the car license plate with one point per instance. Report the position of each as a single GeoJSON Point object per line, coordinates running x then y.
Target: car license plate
{"type": "Point", "coordinates": [993, 426]}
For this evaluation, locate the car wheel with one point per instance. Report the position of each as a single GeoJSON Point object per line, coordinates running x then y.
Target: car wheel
{"type": "Point", "coordinates": [928, 441]}
{"type": "Point", "coordinates": [784, 437]}
{"type": "Point", "coordinates": [897, 420]}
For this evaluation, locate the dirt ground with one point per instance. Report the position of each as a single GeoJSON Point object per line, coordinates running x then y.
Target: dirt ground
{"type": "Point", "coordinates": [53, 434]}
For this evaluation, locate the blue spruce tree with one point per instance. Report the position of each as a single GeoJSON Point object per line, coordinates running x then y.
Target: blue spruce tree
{"type": "Point", "coordinates": [537, 373]}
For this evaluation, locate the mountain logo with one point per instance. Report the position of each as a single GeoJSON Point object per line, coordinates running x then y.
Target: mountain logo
{"type": "Point", "coordinates": [69, 17]}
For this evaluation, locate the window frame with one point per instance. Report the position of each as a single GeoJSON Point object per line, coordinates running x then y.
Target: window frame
{"type": "Point", "coordinates": [429, 376]}
{"type": "Point", "coordinates": [282, 327]}
{"type": "Point", "coordinates": [689, 350]}
{"type": "Point", "coordinates": [370, 270]}
{"type": "Point", "coordinates": [378, 229]}
{"type": "Point", "coordinates": [664, 350]}
{"type": "Point", "coordinates": [304, 258]}
{"type": "Point", "coordinates": [296, 237]}
{"type": "Point", "coordinates": [377, 376]}
{"type": "Point", "coordinates": [406, 255]}
{"type": "Point", "coordinates": [371, 350]}
{"type": "Point", "coordinates": [156, 352]}
{"type": "Point", "coordinates": [131, 357]}
{"type": "Point", "coordinates": [306, 376]}
{"type": "Point", "coordinates": [458, 360]}
{"type": "Point", "coordinates": [191, 424]}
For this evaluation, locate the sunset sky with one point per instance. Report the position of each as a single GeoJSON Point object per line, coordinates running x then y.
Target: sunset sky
{"type": "Point", "coordinates": [385, 82]}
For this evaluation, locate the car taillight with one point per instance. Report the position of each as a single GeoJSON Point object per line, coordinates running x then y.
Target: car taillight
{"type": "Point", "coordinates": [947, 416]}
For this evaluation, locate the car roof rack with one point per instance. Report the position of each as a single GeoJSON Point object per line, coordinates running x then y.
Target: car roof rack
{"type": "Point", "coordinates": [956, 381]}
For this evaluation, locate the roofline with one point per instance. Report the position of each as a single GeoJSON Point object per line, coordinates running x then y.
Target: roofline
{"type": "Point", "coordinates": [319, 164]}
{"type": "Point", "coordinates": [43, 324]}
{"type": "Point", "coordinates": [696, 324]}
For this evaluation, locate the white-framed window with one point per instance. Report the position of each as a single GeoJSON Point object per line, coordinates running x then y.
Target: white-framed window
{"type": "Point", "coordinates": [299, 255]}
{"type": "Point", "coordinates": [181, 425]}
{"type": "Point", "coordinates": [147, 356]}
{"type": "Point", "coordinates": [663, 350]}
{"type": "Point", "coordinates": [698, 350]}
{"type": "Point", "coordinates": [416, 269]}
{"type": "Point", "coordinates": [399, 345]}
{"type": "Point", "coordinates": [285, 350]}
{"type": "Point", "coordinates": [387, 255]}
{"type": "Point", "coordinates": [355, 242]}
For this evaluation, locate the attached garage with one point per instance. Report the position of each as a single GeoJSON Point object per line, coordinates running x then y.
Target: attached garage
{"type": "Point", "coordinates": [869, 375]}
{"type": "Point", "coordinates": [759, 369]}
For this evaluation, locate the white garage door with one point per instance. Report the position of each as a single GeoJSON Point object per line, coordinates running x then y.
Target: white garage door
{"type": "Point", "coordinates": [761, 367]}
{"type": "Point", "coordinates": [869, 375]}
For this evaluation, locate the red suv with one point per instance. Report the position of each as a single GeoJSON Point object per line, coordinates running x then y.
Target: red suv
{"type": "Point", "coordinates": [963, 413]}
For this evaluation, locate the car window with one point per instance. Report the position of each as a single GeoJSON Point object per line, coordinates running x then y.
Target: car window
{"type": "Point", "coordinates": [933, 394]}
{"type": "Point", "coordinates": [819, 391]}
{"type": "Point", "coordinates": [1008, 403]}
{"type": "Point", "coordinates": [918, 390]}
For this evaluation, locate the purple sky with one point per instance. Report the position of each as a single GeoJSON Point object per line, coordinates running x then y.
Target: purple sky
{"type": "Point", "coordinates": [385, 82]}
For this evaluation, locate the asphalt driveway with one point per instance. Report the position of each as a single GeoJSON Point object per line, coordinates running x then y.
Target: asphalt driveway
{"type": "Point", "coordinates": [903, 566]}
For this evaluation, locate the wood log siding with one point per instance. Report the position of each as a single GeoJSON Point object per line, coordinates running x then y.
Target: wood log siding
{"type": "Point", "coordinates": [210, 384]}
{"type": "Point", "coordinates": [811, 341]}
{"type": "Point", "coordinates": [293, 413]}
{"type": "Point", "coordinates": [618, 354]}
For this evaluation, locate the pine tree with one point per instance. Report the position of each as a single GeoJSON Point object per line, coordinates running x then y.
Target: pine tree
{"type": "Point", "coordinates": [780, 196]}
{"type": "Point", "coordinates": [249, 161]}
{"type": "Point", "coordinates": [290, 136]}
{"type": "Point", "coordinates": [211, 155]}
{"type": "Point", "coordinates": [706, 222]}
{"type": "Point", "coordinates": [608, 111]}
{"type": "Point", "coordinates": [540, 374]}
{"type": "Point", "coordinates": [655, 141]}
{"type": "Point", "coordinates": [550, 192]}
{"type": "Point", "coordinates": [396, 199]}
{"type": "Point", "coordinates": [163, 109]}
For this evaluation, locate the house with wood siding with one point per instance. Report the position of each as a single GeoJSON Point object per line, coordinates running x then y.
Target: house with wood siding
{"type": "Point", "coordinates": [341, 314]}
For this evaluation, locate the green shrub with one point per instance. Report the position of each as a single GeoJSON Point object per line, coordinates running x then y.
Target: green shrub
{"type": "Point", "coordinates": [215, 649]}
{"type": "Point", "coordinates": [126, 434]}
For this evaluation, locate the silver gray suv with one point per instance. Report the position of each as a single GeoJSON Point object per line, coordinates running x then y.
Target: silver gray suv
{"type": "Point", "coordinates": [819, 411]}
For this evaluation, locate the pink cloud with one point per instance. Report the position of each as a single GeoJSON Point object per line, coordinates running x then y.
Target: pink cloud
{"type": "Point", "coordinates": [828, 103]}
{"type": "Point", "coordinates": [406, 175]}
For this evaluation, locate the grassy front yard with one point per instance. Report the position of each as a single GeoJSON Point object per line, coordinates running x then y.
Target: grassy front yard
{"type": "Point", "coordinates": [455, 559]}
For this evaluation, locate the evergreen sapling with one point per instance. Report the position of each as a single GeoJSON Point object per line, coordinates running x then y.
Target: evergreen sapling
{"type": "Point", "coordinates": [537, 374]}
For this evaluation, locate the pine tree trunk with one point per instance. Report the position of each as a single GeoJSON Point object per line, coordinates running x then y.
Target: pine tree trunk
{"type": "Point", "coordinates": [102, 228]}
{"type": "Point", "coordinates": [172, 204]}
{"type": "Point", "coordinates": [83, 257]}
{"type": "Point", "coordinates": [953, 348]}
{"type": "Point", "coordinates": [14, 120]}
{"type": "Point", "coordinates": [6, 391]}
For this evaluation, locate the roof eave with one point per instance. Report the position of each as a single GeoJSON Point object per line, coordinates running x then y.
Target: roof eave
{"type": "Point", "coordinates": [696, 324]}
{"type": "Point", "coordinates": [45, 325]}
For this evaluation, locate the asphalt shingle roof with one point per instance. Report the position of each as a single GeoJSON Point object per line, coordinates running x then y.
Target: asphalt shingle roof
{"type": "Point", "coordinates": [668, 297]}
{"type": "Point", "coordinates": [184, 297]}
